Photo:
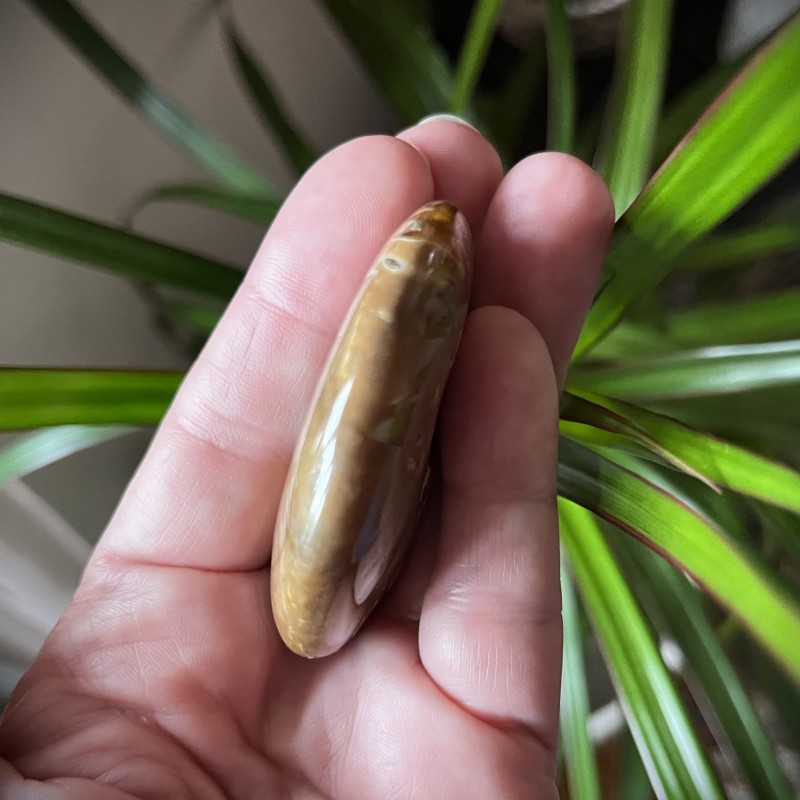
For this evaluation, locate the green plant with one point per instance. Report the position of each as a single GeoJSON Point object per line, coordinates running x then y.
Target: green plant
{"type": "Point", "coordinates": [724, 510]}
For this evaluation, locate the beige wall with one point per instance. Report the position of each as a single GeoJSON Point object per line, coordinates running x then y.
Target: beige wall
{"type": "Point", "coordinates": [67, 140]}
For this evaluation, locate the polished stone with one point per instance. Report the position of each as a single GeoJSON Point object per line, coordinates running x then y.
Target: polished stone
{"type": "Point", "coordinates": [353, 492]}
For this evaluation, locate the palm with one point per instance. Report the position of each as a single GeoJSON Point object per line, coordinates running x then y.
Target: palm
{"type": "Point", "coordinates": [166, 677]}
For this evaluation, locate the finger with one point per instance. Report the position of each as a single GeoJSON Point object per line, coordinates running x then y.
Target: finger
{"type": "Point", "coordinates": [466, 169]}
{"type": "Point", "coordinates": [206, 494]}
{"type": "Point", "coordinates": [490, 629]}
{"type": "Point", "coordinates": [543, 245]}
{"type": "Point", "coordinates": [207, 491]}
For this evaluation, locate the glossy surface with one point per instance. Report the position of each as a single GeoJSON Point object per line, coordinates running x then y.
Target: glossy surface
{"type": "Point", "coordinates": [354, 488]}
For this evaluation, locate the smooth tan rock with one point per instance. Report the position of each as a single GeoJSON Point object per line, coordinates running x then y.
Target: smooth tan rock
{"type": "Point", "coordinates": [354, 488]}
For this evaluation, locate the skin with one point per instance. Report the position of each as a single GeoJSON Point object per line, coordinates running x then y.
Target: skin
{"type": "Point", "coordinates": [166, 677]}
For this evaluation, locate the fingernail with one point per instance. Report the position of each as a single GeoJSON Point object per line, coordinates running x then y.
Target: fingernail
{"type": "Point", "coordinates": [446, 118]}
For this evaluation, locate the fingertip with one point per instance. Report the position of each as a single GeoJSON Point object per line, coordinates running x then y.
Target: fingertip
{"type": "Point", "coordinates": [574, 191]}
{"type": "Point", "coordinates": [466, 168]}
{"type": "Point", "coordinates": [543, 247]}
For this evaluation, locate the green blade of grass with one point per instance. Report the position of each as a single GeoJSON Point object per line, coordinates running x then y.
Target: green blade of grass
{"type": "Point", "coordinates": [670, 599]}
{"type": "Point", "coordinates": [664, 736]}
{"type": "Point", "coordinates": [265, 97]}
{"type": "Point", "coordinates": [253, 208]}
{"type": "Point", "coordinates": [625, 153]}
{"type": "Point", "coordinates": [155, 106]}
{"type": "Point", "coordinates": [561, 91]}
{"type": "Point", "coordinates": [695, 373]}
{"type": "Point", "coordinates": [745, 138]}
{"type": "Point", "coordinates": [400, 55]}
{"type": "Point", "coordinates": [725, 250]}
{"type": "Point", "coordinates": [32, 398]}
{"type": "Point", "coordinates": [580, 759]}
{"type": "Point", "coordinates": [671, 528]}
{"type": "Point", "coordinates": [755, 319]}
{"type": "Point", "coordinates": [700, 454]}
{"type": "Point", "coordinates": [40, 448]}
{"type": "Point", "coordinates": [474, 49]}
{"type": "Point", "coordinates": [114, 249]}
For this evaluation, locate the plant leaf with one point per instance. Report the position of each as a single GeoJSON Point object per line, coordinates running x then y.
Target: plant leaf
{"type": "Point", "coordinates": [399, 54]}
{"type": "Point", "coordinates": [58, 233]}
{"type": "Point", "coordinates": [579, 755]}
{"type": "Point", "coordinates": [203, 320]}
{"type": "Point", "coordinates": [254, 208]}
{"type": "Point", "coordinates": [754, 319]}
{"type": "Point", "coordinates": [625, 153]}
{"type": "Point", "coordinates": [667, 743]}
{"type": "Point", "coordinates": [673, 602]}
{"type": "Point", "coordinates": [695, 373]}
{"type": "Point", "coordinates": [689, 106]}
{"type": "Point", "coordinates": [724, 250]}
{"type": "Point", "coordinates": [696, 453]}
{"type": "Point", "coordinates": [671, 528]}
{"type": "Point", "coordinates": [155, 106]}
{"type": "Point", "coordinates": [36, 450]}
{"type": "Point", "coordinates": [32, 398]}
{"type": "Point", "coordinates": [634, 783]}
{"type": "Point", "coordinates": [561, 90]}
{"type": "Point", "coordinates": [512, 107]}
{"type": "Point", "coordinates": [751, 132]}
{"type": "Point", "coordinates": [265, 97]}
{"type": "Point", "coordinates": [474, 49]}
{"type": "Point", "coordinates": [600, 414]}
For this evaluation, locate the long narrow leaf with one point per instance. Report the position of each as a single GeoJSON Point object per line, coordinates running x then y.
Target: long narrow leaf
{"type": "Point", "coordinates": [695, 373]}
{"type": "Point", "coordinates": [725, 250]}
{"type": "Point", "coordinates": [687, 108]}
{"type": "Point", "coordinates": [696, 452]}
{"type": "Point", "coordinates": [399, 54]}
{"type": "Point", "coordinates": [36, 450]}
{"type": "Point", "coordinates": [626, 146]}
{"type": "Point", "coordinates": [561, 91]}
{"type": "Point", "coordinates": [114, 249]}
{"type": "Point", "coordinates": [580, 759]}
{"type": "Point", "coordinates": [755, 319]}
{"type": "Point", "coordinates": [513, 105]}
{"type": "Point", "coordinates": [671, 528]}
{"type": "Point", "coordinates": [155, 106]}
{"type": "Point", "coordinates": [253, 208]}
{"type": "Point", "coordinates": [265, 98]}
{"type": "Point", "coordinates": [476, 44]}
{"type": "Point", "coordinates": [633, 781]}
{"type": "Point", "coordinates": [669, 748]}
{"type": "Point", "coordinates": [671, 599]}
{"type": "Point", "coordinates": [751, 132]}
{"type": "Point", "coordinates": [31, 398]}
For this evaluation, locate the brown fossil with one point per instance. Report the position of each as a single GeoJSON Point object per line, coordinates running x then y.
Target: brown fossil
{"type": "Point", "coordinates": [353, 490]}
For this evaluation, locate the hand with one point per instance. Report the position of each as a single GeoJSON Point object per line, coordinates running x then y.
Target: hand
{"type": "Point", "coordinates": [166, 678]}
